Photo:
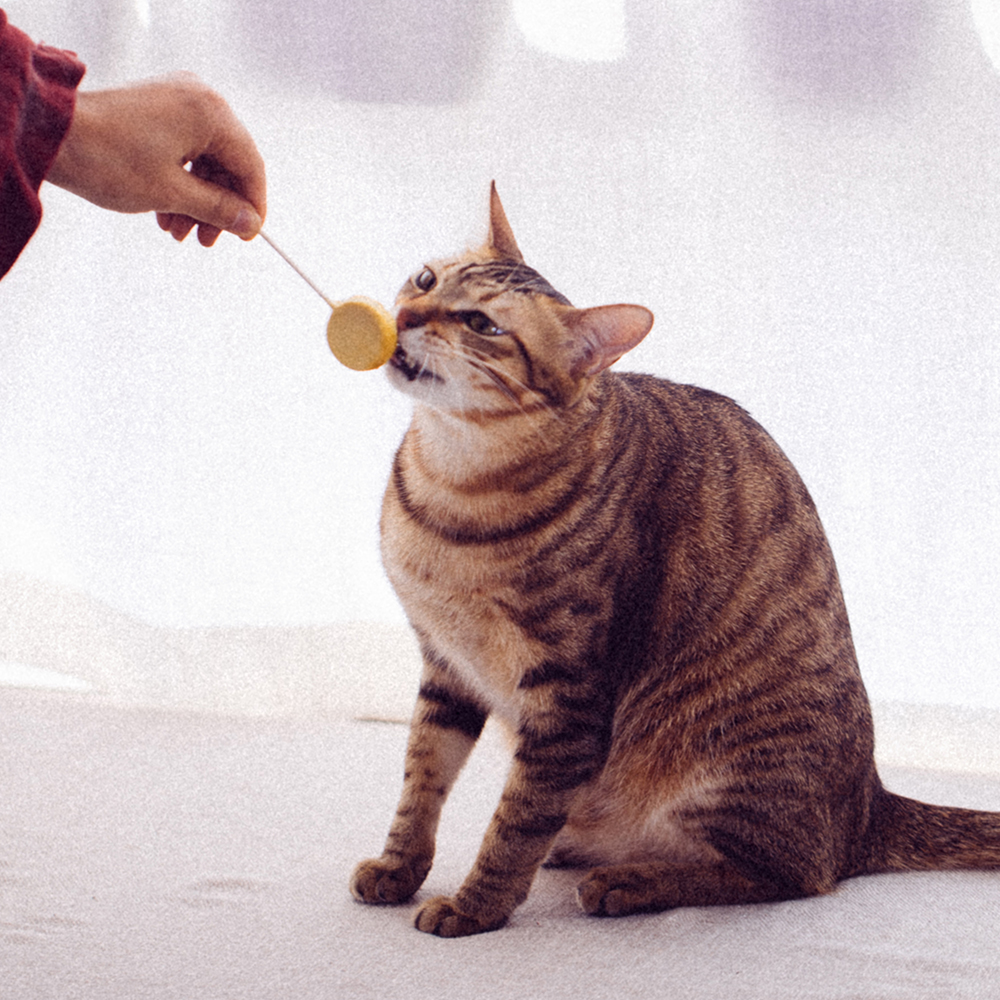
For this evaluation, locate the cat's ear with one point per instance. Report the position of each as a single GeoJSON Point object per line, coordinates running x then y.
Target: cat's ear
{"type": "Point", "coordinates": [501, 236]}
{"type": "Point", "coordinates": [603, 334]}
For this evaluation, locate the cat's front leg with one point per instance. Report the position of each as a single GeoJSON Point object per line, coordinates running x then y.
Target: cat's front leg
{"type": "Point", "coordinates": [558, 752]}
{"type": "Point", "coordinates": [445, 726]}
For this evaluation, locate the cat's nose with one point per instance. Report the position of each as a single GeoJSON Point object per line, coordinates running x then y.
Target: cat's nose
{"type": "Point", "coordinates": [407, 319]}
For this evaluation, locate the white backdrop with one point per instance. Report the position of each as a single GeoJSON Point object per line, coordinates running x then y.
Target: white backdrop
{"type": "Point", "coordinates": [805, 193]}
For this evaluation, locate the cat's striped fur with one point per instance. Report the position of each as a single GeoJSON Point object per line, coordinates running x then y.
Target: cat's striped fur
{"type": "Point", "coordinates": [631, 576]}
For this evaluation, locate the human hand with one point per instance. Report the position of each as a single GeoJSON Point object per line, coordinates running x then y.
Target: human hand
{"type": "Point", "coordinates": [127, 149]}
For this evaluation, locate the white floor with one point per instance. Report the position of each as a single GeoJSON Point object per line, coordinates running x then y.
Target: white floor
{"type": "Point", "coordinates": [160, 854]}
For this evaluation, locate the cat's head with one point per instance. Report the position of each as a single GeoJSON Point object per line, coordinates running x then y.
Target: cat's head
{"type": "Point", "coordinates": [485, 333]}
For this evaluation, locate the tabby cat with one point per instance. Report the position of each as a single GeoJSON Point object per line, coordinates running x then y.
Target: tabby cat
{"type": "Point", "coordinates": [629, 574]}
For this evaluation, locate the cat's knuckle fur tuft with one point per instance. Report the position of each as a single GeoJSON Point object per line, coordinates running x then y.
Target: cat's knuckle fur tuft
{"type": "Point", "coordinates": [442, 917]}
{"type": "Point", "coordinates": [379, 881]}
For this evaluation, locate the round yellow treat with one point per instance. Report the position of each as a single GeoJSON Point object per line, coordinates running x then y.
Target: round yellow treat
{"type": "Point", "coordinates": [361, 333]}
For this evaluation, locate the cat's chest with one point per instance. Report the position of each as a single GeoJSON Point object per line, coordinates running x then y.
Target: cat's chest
{"type": "Point", "coordinates": [457, 596]}
{"type": "Point", "coordinates": [457, 602]}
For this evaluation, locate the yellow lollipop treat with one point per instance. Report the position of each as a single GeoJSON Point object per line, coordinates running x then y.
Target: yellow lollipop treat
{"type": "Point", "coordinates": [360, 331]}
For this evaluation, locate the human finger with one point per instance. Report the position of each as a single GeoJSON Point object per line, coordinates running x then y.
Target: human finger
{"type": "Point", "coordinates": [208, 169]}
{"type": "Point", "coordinates": [212, 195]}
{"type": "Point", "coordinates": [176, 224]}
{"type": "Point", "coordinates": [208, 234]}
{"type": "Point", "coordinates": [181, 225]}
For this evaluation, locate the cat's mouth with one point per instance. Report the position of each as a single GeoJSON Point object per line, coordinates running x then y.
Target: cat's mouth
{"type": "Point", "coordinates": [400, 360]}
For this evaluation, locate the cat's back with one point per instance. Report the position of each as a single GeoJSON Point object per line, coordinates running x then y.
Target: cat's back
{"type": "Point", "coordinates": [743, 562]}
{"type": "Point", "coordinates": [710, 443]}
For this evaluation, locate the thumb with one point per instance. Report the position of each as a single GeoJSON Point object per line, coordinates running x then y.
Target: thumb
{"type": "Point", "coordinates": [214, 205]}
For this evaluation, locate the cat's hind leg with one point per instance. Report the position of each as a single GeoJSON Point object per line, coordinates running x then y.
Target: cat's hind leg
{"type": "Point", "coordinates": [789, 857]}
{"type": "Point", "coordinates": [648, 887]}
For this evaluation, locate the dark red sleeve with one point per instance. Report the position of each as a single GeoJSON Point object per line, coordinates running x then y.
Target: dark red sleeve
{"type": "Point", "coordinates": [37, 95]}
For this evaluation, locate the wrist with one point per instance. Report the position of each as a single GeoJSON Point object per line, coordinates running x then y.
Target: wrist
{"type": "Point", "coordinates": [67, 165]}
{"type": "Point", "coordinates": [93, 160]}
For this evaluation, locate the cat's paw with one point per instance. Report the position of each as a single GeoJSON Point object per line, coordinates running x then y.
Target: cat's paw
{"type": "Point", "coordinates": [443, 917]}
{"type": "Point", "coordinates": [388, 880]}
{"type": "Point", "coordinates": [617, 891]}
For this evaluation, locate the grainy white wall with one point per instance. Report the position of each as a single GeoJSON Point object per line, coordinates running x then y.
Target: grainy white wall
{"type": "Point", "coordinates": [805, 193]}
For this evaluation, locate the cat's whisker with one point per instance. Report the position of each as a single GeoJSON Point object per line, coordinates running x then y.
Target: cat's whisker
{"type": "Point", "coordinates": [427, 365]}
{"type": "Point", "coordinates": [497, 380]}
{"type": "Point", "coordinates": [483, 363]}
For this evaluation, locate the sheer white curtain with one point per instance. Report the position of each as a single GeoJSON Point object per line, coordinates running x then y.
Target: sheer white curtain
{"type": "Point", "coordinates": [803, 192]}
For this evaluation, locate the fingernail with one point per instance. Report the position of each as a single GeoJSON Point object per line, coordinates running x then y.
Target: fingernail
{"type": "Point", "coordinates": [247, 224]}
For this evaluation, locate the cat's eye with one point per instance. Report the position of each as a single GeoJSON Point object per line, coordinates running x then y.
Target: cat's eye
{"type": "Point", "coordinates": [480, 323]}
{"type": "Point", "coordinates": [425, 280]}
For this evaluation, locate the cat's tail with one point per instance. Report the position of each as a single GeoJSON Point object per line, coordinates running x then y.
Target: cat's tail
{"type": "Point", "coordinates": [905, 835]}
